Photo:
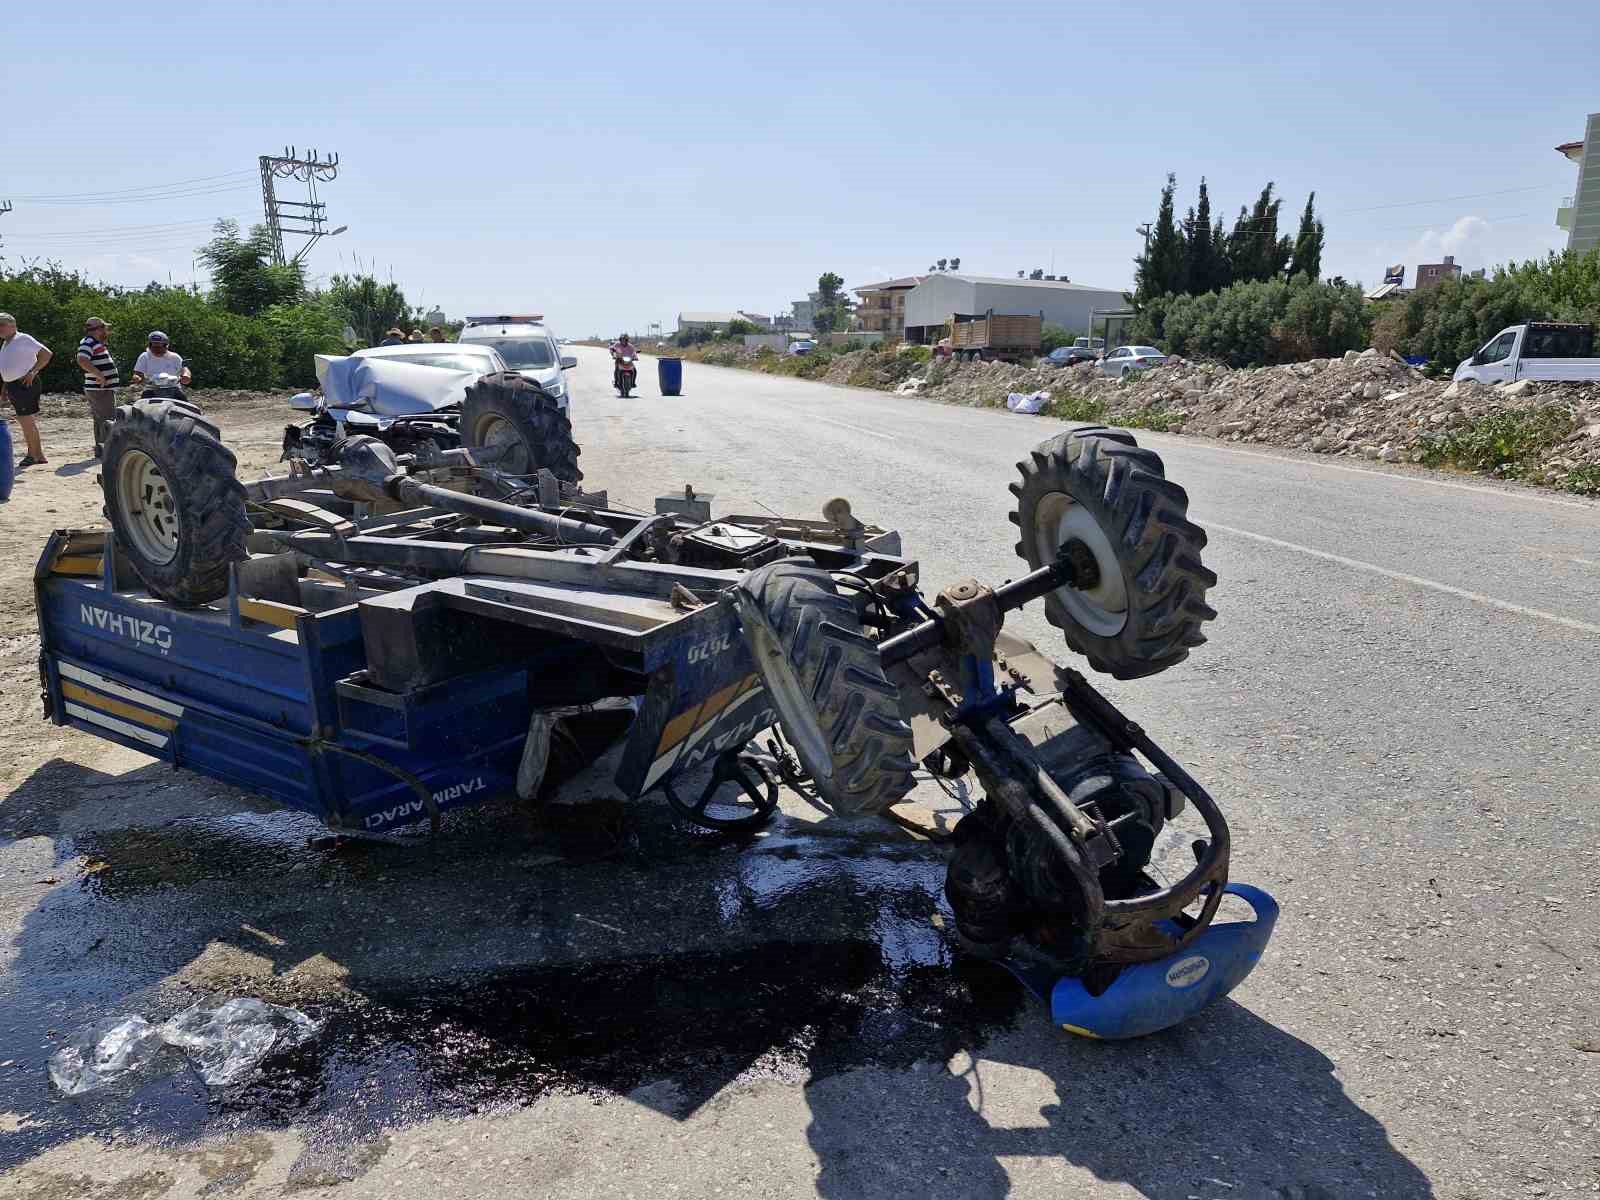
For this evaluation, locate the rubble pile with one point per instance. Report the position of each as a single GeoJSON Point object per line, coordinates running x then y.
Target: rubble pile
{"type": "Point", "coordinates": [1368, 404]}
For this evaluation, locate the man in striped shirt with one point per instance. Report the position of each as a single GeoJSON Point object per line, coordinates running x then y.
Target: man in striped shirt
{"type": "Point", "coordinates": [99, 371]}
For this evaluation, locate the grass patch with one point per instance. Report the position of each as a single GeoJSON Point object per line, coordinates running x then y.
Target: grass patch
{"type": "Point", "coordinates": [1585, 480]}
{"type": "Point", "coordinates": [1509, 443]}
{"type": "Point", "coordinates": [1156, 420]}
{"type": "Point", "coordinates": [1073, 407]}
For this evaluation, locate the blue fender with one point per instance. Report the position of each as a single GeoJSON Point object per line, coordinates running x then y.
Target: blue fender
{"type": "Point", "coordinates": [1149, 997]}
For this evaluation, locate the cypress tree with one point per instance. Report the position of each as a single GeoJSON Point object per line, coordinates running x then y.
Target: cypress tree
{"type": "Point", "coordinates": [1201, 270]}
{"type": "Point", "coordinates": [1307, 258]}
{"type": "Point", "coordinates": [1160, 270]}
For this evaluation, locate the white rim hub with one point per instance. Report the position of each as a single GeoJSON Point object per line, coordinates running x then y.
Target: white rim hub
{"type": "Point", "coordinates": [1102, 609]}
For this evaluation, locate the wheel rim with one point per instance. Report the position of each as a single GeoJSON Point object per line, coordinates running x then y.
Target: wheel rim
{"type": "Point", "coordinates": [497, 433]}
{"type": "Point", "coordinates": [1102, 609]}
{"type": "Point", "coordinates": [149, 510]}
{"type": "Point", "coordinates": [790, 698]}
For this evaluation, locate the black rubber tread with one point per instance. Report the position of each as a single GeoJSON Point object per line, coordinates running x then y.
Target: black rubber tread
{"type": "Point", "coordinates": [838, 667]}
{"type": "Point", "coordinates": [1145, 518]}
{"type": "Point", "coordinates": [540, 422]}
{"type": "Point", "coordinates": [201, 473]}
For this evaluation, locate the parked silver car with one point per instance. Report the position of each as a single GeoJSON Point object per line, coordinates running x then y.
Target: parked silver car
{"type": "Point", "coordinates": [1125, 360]}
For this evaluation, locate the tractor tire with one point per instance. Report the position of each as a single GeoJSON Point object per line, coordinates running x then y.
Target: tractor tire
{"type": "Point", "coordinates": [823, 675]}
{"type": "Point", "coordinates": [507, 408]}
{"type": "Point", "coordinates": [1096, 485]}
{"type": "Point", "coordinates": [173, 497]}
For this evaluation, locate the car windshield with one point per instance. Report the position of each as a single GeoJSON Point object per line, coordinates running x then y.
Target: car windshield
{"type": "Point", "coordinates": [1147, 352]}
{"type": "Point", "coordinates": [525, 352]}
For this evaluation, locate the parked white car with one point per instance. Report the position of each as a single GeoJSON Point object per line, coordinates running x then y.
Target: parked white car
{"type": "Point", "coordinates": [1556, 350]}
{"type": "Point", "coordinates": [524, 342]}
{"type": "Point", "coordinates": [1125, 360]}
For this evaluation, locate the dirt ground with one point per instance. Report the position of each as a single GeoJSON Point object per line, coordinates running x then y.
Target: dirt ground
{"type": "Point", "coordinates": [64, 493]}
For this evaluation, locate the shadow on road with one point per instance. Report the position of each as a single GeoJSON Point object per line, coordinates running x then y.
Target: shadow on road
{"type": "Point", "coordinates": [1228, 1105]}
{"type": "Point", "coordinates": [510, 959]}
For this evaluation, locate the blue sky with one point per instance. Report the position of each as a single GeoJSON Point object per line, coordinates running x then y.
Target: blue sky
{"type": "Point", "coordinates": [614, 164]}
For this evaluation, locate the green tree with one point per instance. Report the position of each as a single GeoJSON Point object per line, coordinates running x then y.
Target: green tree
{"type": "Point", "coordinates": [1203, 270]}
{"type": "Point", "coordinates": [371, 308]}
{"type": "Point", "coordinates": [833, 307]}
{"type": "Point", "coordinates": [1255, 251]}
{"type": "Point", "coordinates": [1160, 269]}
{"type": "Point", "coordinates": [244, 279]}
{"type": "Point", "coordinates": [1307, 258]}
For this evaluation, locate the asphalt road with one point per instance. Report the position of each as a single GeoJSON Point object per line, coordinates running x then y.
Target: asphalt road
{"type": "Point", "coordinates": [1397, 708]}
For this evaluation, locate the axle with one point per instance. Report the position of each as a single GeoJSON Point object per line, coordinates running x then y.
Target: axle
{"type": "Point", "coordinates": [1068, 570]}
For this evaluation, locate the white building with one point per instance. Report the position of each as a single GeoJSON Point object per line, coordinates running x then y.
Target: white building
{"type": "Point", "coordinates": [932, 302]}
{"type": "Point", "coordinates": [1579, 214]}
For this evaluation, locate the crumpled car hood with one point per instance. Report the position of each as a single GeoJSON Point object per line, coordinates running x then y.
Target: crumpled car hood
{"type": "Point", "coordinates": [389, 388]}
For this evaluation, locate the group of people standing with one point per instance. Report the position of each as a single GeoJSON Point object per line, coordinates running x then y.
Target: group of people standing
{"type": "Point", "coordinates": [398, 337]}
{"type": "Point", "coordinates": [23, 357]}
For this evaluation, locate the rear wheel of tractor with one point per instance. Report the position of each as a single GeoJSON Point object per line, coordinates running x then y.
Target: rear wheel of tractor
{"type": "Point", "coordinates": [510, 412]}
{"type": "Point", "coordinates": [827, 684]}
{"type": "Point", "coordinates": [174, 500]}
{"type": "Point", "coordinates": [1096, 486]}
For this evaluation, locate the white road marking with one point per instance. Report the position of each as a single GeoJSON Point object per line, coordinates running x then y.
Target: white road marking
{"type": "Point", "coordinates": [1416, 580]}
{"type": "Point", "coordinates": [858, 428]}
{"type": "Point", "coordinates": [1392, 477]}
{"type": "Point", "coordinates": [1560, 557]}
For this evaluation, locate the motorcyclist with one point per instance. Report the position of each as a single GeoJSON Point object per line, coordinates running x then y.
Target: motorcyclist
{"type": "Point", "coordinates": [160, 371]}
{"type": "Point", "coordinates": [621, 349]}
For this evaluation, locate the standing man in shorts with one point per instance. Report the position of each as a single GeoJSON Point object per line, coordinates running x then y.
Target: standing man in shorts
{"type": "Point", "coordinates": [100, 377]}
{"type": "Point", "coordinates": [21, 359]}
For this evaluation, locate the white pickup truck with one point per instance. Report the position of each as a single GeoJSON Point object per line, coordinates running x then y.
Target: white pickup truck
{"type": "Point", "coordinates": [1538, 350]}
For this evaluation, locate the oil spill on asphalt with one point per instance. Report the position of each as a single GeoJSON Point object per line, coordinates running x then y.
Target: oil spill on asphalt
{"type": "Point", "coordinates": [837, 964]}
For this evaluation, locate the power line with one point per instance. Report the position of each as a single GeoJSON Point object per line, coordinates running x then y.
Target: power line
{"type": "Point", "coordinates": [148, 187]}
{"type": "Point", "coordinates": [177, 195]}
{"type": "Point", "coordinates": [1442, 200]}
{"type": "Point", "coordinates": [121, 230]}
{"type": "Point", "coordinates": [1437, 224]}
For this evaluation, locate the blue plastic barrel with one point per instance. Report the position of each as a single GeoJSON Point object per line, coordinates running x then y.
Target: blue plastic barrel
{"type": "Point", "coordinates": [8, 469]}
{"type": "Point", "coordinates": [669, 371]}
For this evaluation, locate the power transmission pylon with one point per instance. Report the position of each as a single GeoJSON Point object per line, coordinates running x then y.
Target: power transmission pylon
{"type": "Point", "coordinates": [5, 207]}
{"type": "Point", "coordinates": [306, 218]}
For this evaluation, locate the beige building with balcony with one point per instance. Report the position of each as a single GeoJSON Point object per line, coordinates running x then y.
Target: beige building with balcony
{"type": "Point", "coordinates": [881, 307]}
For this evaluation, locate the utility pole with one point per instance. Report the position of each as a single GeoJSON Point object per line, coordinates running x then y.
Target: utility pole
{"type": "Point", "coordinates": [1145, 229]}
{"type": "Point", "coordinates": [5, 207]}
{"type": "Point", "coordinates": [306, 218]}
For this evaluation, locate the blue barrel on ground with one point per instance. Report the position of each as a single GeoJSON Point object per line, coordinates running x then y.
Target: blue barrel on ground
{"type": "Point", "coordinates": [8, 468]}
{"type": "Point", "coordinates": [669, 372]}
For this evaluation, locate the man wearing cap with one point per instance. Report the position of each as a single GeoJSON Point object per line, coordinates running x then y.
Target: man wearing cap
{"type": "Point", "coordinates": [158, 361]}
{"type": "Point", "coordinates": [99, 377]}
{"type": "Point", "coordinates": [21, 359]}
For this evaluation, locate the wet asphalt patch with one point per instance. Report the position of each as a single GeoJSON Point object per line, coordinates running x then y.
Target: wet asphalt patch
{"type": "Point", "coordinates": [676, 965]}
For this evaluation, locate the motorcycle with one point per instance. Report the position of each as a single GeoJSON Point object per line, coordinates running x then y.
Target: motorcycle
{"type": "Point", "coordinates": [626, 375]}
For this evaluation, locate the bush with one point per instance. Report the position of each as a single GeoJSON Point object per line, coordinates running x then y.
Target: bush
{"type": "Point", "coordinates": [1258, 324]}
{"type": "Point", "coordinates": [221, 348]}
{"type": "Point", "coordinates": [1053, 337]}
{"type": "Point", "coordinates": [1450, 320]}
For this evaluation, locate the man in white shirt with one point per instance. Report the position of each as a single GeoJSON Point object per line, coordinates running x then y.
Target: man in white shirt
{"type": "Point", "coordinates": [158, 361]}
{"type": "Point", "coordinates": [21, 359]}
